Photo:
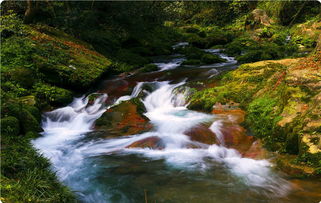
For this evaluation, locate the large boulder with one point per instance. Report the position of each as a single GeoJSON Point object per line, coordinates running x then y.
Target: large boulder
{"type": "Point", "coordinates": [257, 19]}
{"type": "Point", "coordinates": [202, 134]}
{"type": "Point", "coordinates": [124, 119]}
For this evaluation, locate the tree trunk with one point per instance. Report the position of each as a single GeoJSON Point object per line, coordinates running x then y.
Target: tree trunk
{"type": "Point", "coordinates": [30, 12]}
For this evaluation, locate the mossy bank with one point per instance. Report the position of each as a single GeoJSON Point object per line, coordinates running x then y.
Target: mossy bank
{"type": "Point", "coordinates": [282, 100]}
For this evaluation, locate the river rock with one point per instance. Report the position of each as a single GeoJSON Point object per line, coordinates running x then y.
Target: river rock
{"type": "Point", "coordinates": [152, 142]}
{"type": "Point", "coordinates": [233, 115]}
{"type": "Point", "coordinates": [235, 137]}
{"type": "Point", "coordinates": [123, 119]}
{"type": "Point", "coordinates": [256, 151]}
{"type": "Point", "coordinates": [202, 134]}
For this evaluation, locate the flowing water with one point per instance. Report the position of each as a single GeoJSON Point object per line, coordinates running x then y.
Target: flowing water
{"type": "Point", "coordinates": [103, 169]}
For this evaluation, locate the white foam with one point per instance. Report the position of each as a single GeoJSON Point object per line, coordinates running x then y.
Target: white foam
{"type": "Point", "coordinates": [171, 64]}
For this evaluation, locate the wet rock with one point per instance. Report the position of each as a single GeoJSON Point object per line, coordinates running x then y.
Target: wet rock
{"type": "Point", "coordinates": [256, 151]}
{"type": "Point", "coordinates": [235, 137]}
{"type": "Point", "coordinates": [201, 134]}
{"type": "Point", "coordinates": [153, 142]}
{"type": "Point", "coordinates": [233, 115]}
{"type": "Point", "coordinates": [116, 87]}
{"type": "Point", "coordinates": [123, 119]}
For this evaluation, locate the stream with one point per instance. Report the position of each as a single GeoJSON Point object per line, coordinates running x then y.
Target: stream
{"type": "Point", "coordinates": [111, 167]}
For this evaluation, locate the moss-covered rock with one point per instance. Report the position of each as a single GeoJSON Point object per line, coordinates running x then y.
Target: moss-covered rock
{"type": "Point", "coordinates": [211, 58]}
{"type": "Point", "coordinates": [282, 100]}
{"type": "Point", "coordinates": [10, 126]}
{"type": "Point", "coordinates": [53, 95]}
{"type": "Point", "coordinates": [35, 112]}
{"type": "Point", "coordinates": [27, 121]}
{"type": "Point", "coordinates": [124, 119]}
{"type": "Point", "coordinates": [23, 76]}
{"type": "Point", "coordinates": [53, 56]}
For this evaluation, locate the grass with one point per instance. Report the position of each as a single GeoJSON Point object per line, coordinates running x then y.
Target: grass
{"type": "Point", "coordinates": [26, 175]}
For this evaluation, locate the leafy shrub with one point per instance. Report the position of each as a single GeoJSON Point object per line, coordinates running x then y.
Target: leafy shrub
{"type": "Point", "coordinates": [10, 126]}
{"type": "Point", "coordinates": [15, 90]}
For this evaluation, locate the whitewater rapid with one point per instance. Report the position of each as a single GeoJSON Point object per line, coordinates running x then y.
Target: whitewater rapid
{"type": "Point", "coordinates": [66, 129]}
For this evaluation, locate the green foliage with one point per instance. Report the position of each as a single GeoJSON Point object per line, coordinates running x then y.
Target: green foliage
{"type": "Point", "coordinates": [206, 37]}
{"type": "Point", "coordinates": [16, 51]}
{"type": "Point", "coordinates": [10, 126]}
{"type": "Point", "coordinates": [51, 94]}
{"type": "Point", "coordinates": [309, 158]}
{"type": "Point", "coordinates": [12, 90]}
{"type": "Point", "coordinates": [122, 67]}
{"type": "Point", "coordinates": [196, 56]}
{"type": "Point", "coordinates": [149, 68]}
{"type": "Point", "coordinates": [26, 176]}
{"type": "Point", "coordinates": [286, 12]}
{"type": "Point", "coordinates": [248, 50]}
{"type": "Point", "coordinates": [11, 24]}
{"type": "Point", "coordinates": [305, 41]}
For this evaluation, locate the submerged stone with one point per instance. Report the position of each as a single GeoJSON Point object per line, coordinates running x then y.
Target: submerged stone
{"type": "Point", "coordinates": [153, 142]}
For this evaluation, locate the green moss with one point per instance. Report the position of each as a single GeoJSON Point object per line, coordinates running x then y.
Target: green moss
{"type": "Point", "coordinates": [141, 109]}
{"type": "Point", "coordinates": [210, 59]}
{"type": "Point", "coordinates": [34, 112]}
{"type": "Point", "coordinates": [10, 126]}
{"type": "Point", "coordinates": [53, 95]}
{"type": "Point", "coordinates": [23, 76]}
{"type": "Point", "coordinates": [27, 121]}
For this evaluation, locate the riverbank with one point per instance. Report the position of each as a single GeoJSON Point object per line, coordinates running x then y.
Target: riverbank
{"type": "Point", "coordinates": [282, 102]}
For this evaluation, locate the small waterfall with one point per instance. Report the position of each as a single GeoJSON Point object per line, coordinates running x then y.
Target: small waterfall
{"type": "Point", "coordinates": [137, 89]}
{"type": "Point", "coordinates": [170, 65]}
